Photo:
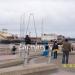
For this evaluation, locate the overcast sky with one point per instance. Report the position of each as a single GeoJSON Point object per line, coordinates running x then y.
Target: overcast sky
{"type": "Point", "coordinates": [58, 16]}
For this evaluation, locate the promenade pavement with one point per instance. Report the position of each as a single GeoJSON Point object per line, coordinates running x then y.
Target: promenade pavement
{"type": "Point", "coordinates": [42, 59]}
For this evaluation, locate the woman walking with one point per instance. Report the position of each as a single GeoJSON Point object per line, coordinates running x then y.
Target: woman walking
{"type": "Point", "coordinates": [54, 49]}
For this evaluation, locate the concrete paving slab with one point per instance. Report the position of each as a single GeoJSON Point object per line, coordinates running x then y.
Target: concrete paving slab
{"type": "Point", "coordinates": [28, 69]}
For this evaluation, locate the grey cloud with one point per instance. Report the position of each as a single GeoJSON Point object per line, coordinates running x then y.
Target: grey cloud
{"type": "Point", "coordinates": [58, 15]}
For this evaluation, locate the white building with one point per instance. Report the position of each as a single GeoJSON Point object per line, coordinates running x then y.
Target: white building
{"type": "Point", "coordinates": [49, 37]}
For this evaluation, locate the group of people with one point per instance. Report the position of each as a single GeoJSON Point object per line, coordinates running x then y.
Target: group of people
{"type": "Point", "coordinates": [66, 48]}
{"type": "Point", "coordinates": [27, 41]}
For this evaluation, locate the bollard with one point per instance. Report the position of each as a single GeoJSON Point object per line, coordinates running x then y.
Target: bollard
{"type": "Point", "coordinates": [49, 56]}
{"type": "Point", "coordinates": [26, 55]}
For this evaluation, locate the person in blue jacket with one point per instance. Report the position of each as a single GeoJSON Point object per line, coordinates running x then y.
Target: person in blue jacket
{"type": "Point", "coordinates": [46, 52]}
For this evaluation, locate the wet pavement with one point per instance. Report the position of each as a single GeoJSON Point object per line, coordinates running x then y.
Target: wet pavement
{"type": "Point", "coordinates": [41, 59]}
{"type": "Point", "coordinates": [7, 57]}
{"type": "Point", "coordinates": [62, 70]}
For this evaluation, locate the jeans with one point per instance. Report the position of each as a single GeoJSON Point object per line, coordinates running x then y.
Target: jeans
{"type": "Point", "coordinates": [55, 54]}
{"type": "Point", "coordinates": [65, 57]}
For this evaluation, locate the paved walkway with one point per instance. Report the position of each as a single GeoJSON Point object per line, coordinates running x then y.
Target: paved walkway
{"type": "Point", "coordinates": [41, 59]}
{"type": "Point", "coordinates": [7, 57]}
{"type": "Point", "coordinates": [62, 72]}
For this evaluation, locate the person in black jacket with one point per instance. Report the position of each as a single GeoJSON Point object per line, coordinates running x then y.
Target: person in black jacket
{"type": "Point", "coordinates": [14, 50]}
{"type": "Point", "coordinates": [27, 40]}
{"type": "Point", "coordinates": [55, 48]}
{"type": "Point", "coordinates": [27, 43]}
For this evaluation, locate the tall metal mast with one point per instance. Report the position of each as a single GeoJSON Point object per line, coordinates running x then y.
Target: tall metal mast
{"type": "Point", "coordinates": [31, 15]}
{"type": "Point", "coordinates": [42, 27]}
{"type": "Point", "coordinates": [22, 25]}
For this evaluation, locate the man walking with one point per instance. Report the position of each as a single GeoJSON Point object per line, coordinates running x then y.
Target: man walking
{"type": "Point", "coordinates": [66, 49]}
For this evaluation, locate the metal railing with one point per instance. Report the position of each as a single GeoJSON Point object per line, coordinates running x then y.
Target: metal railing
{"type": "Point", "coordinates": [26, 49]}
